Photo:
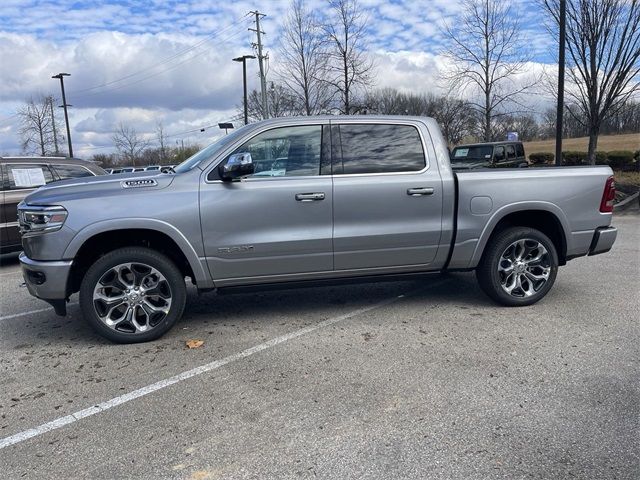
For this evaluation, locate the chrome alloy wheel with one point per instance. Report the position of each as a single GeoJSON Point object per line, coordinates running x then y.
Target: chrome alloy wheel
{"type": "Point", "coordinates": [524, 268]}
{"type": "Point", "coordinates": [132, 298]}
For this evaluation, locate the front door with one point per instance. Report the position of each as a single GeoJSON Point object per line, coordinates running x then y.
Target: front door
{"type": "Point", "coordinates": [387, 199]}
{"type": "Point", "coordinates": [277, 223]}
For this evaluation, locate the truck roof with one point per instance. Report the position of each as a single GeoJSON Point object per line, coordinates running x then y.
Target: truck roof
{"type": "Point", "coordinates": [480, 144]}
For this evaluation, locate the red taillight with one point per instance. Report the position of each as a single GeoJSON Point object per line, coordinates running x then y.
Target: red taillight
{"type": "Point", "coordinates": [608, 196]}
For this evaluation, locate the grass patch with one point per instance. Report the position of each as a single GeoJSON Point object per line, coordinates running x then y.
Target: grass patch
{"type": "Point", "coordinates": [627, 178]}
{"type": "Point", "coordinates": [628, 141]}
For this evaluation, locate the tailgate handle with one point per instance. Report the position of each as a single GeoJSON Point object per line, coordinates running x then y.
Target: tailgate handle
{"type": "Point", "coordinates": [420, 191]}
{"type": "Point", "coordinates": [309, 197]}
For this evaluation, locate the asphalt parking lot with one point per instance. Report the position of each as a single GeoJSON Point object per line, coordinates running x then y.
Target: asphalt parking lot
{"type": "Point", "coordinates": [417, 379]}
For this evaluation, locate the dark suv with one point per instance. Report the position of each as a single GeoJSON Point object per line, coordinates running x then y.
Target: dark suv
{"type": "Point", "coordinates": [19, 176]}
{"type": "Point", "coordinates": [488, 155]}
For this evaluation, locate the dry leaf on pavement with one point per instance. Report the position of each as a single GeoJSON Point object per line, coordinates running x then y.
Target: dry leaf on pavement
{"type": "Point", "coordinates": [194, 343]}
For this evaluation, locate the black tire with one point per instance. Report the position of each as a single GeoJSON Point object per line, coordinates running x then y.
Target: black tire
{"type": "Point", "coordinates": [490, 279]}
{"type": "Point", "coordinates": [170, 287]}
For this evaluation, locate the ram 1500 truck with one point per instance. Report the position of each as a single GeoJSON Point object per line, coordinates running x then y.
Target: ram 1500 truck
{"type": "Point", "coordinates": [293, 201]}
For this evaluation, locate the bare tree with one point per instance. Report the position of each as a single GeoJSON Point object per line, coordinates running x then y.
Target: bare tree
{"type": "Point", "coordinates": [302, 68]}
{"type": "Point", "coordinates": [348, 67]}
{"type": "Point", "coordinates": [281, 103]}
{"type": "Point", "coordinates": [486, 56]}
{"type": "Point", "coordinates": [456, 117]}
{"type": "Point", "coordinates": [36, 125]}
{"type": "Point", "coordinates": [129, 144]}
{"type": "Point", "coordinates": [161, 137]}
{"type": "Point", "coordinates": [603, 42]}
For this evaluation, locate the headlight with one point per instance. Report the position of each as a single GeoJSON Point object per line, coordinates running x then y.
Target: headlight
{"type": "Point", "coordinates": [34, 220]}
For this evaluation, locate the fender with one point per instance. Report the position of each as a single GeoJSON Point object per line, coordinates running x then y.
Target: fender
{"type": "Point", "coordinates": [518, 207]}
{"type": "Point", "coordinates": [203, 278]}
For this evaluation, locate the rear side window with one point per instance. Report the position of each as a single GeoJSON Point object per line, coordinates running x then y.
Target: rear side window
{"type": "Point", "coordinates": [71, 171]}
{"type": "Point", "coordinates": [380, 149]}
{"type": "Point", "coordinates": [28, 175]}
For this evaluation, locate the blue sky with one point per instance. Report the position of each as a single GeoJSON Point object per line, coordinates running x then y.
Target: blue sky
{"type": "Point", "coordinates": [140, 62]}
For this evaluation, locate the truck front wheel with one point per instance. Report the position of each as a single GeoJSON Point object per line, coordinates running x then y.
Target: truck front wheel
{"type": "Point", "coordinates": [519, 266]}
{"type": "Point", "coordinates": [132, 295]}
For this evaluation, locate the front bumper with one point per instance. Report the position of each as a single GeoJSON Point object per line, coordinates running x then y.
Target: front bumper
{"type": "Point", "coordinates": [47, 280]}
{"type": "Point", "coordinates": [603, 239]}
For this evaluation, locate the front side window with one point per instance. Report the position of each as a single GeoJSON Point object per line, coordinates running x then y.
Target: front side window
{"type": "Point", "coordinates": [520, 150]}
{"type": "Point", "coordinates": [499, 154]}
{"type": "Point", "coordinates": [380, 149]}
{"type": "Point", "coordinates": [71, 171]}
{"type": "Point", "coordinates": [511, 151]}
{"type": "Point", "coordinates": [285, 151]}
{"type": "Point", "coordinates": [28, 176]}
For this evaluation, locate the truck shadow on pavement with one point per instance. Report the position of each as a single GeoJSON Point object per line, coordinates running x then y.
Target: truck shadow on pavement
{"type": "Point", "coordinates": [293, 308]}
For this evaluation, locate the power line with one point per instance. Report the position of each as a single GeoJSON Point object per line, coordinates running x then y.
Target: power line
{"type": "Point", "coordinates": [158, 64]}
{"type": "Point", "coordinates": [144, 79]}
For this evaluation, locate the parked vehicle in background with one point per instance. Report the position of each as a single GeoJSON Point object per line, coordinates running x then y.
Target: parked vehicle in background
{"type": "Point", "coordinates": [128, 170]}
{"type": "Point", "coordinates": [152, 168]}
{"type": "Point", "coordinates": [289, 201]}
{"type": "Point", "coordinates": [20, 176]}
{"type": "Point", "coordinates": [114, 171]}
{"type": "Point", "coordinates": [488, 155]}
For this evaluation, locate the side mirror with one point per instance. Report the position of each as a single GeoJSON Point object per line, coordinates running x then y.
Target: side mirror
{"type": "Point", "coordinates": [236, 166]}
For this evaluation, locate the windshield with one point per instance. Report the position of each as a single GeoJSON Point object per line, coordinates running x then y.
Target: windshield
{"type": "Point", "coordinates": [209, 152]}
{"type": "Point", "coordinates": [472, 154]}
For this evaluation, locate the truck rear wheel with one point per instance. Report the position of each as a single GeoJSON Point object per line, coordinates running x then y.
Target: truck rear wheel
{"type": "Point", "coordinates": [132, 295]}
{"type": "Point", "coordinates": [519, 266]}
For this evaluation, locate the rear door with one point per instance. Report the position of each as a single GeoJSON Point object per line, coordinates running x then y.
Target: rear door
{"type": "Point", "coordinates": [387, 197]}
{"type": "Point", "coordinates": [22, 179]}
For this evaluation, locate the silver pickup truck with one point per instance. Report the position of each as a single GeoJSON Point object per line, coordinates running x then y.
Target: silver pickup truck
{"type": "Point", "coordinates": [294, 201]}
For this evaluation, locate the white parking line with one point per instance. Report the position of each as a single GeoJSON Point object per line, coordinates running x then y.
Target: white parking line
{"type": "Point", "coordinates": [10, 273]}
{"type": "Point", "coordinates": [31, 312]}
{"type": "Point", "coordinates": [141, 392]}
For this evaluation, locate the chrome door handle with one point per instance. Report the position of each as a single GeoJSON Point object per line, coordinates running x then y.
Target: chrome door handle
{"type": "Point", "coordinates": [418, 192]}
{"type": "Point", "coordinates": [309, 197]}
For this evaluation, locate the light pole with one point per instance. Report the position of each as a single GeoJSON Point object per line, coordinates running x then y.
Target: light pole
{"type": "Point", "coordinates": [560, 106]}
{"type": "Point", "coordinates": [64, 105]}
{"type": "Point", "coordinates": [225, 126]}
{"type": "Point", "coordinates": [243, 59]}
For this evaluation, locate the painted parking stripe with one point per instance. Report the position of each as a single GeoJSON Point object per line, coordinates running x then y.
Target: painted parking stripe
{"type": "Point", "coordinates": [10, 273]}
{"type": "Point", "coordinates": [154, 387]}
{"type": "Point", "coordinates": [31, 312]}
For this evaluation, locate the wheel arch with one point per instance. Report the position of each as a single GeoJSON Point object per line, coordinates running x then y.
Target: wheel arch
{"type": "Point", "coordinates": [100, 238]}
{"type": "Point", "coordinates": [543, 216]}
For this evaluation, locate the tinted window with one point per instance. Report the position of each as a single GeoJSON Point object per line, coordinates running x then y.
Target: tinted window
{"type": "Point", "coordinates": [511, 151]}
{"type": "Point", "coordinates": [472, 153]}
{"type": "Point", "coordinates": [499, 153]}
{"type": "Point", "coordinates": [286, 151]}
{"type": "Point", "coordinates": [71, 171]}
{"type": "Point", "coordinates": [381, 149]}
{"type": "Point", "coordinates": [28, 176]}
{"type": "Point", "coordinates": [520, 150]}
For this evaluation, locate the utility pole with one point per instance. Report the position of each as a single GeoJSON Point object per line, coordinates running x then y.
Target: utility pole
{"type": "Point", "coordinates": [53, 124]}
{"type": "Point", "coordinates": [261, 57]}
{"type": "Point", "coordinates": [243, 59]}
{"type": "Point", "coordinates": [65, 105]}
{"type": "Point", "coordinates": [561, 62]}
